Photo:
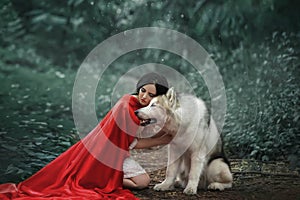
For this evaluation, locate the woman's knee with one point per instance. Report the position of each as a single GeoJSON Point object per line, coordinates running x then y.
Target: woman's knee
{"type": "Point", "coordinates": [141, 181]}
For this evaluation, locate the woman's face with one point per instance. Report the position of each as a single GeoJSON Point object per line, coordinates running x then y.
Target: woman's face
{"type": "Point", "coordinates": [146, 93]}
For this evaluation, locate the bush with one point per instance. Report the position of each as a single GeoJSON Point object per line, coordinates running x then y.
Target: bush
{"type": "Point", "coordinates": [36, 120]}
{"type": "Point", "coordinates": [262, 92]}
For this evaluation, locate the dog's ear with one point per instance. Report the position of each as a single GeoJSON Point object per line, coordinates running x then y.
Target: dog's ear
{"type": "Point", "coordinates": [171, 96]}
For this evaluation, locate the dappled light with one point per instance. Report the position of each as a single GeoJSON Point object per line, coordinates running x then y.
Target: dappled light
{"type": "Point", "coordinates": [254, 44]}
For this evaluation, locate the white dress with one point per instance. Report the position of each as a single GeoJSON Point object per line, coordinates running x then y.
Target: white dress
{"type": "Point", "coordinates": [131, 168]}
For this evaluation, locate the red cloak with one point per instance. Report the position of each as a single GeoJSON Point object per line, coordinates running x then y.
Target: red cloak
{"type": "Point", "coordinates": [92, 168]}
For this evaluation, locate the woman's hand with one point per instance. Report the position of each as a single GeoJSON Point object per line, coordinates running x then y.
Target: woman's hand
{"type": "Point", "coordinates": [164, 139]}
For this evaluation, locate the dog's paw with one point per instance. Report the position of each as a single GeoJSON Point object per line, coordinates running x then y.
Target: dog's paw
{"type": "Point", "coordinates": [216, 186]}
{"type": "Point", "coordinates": [163, 187]}
{"type": "Point", "coordinates": [190, 190]}
{"type": "Point", "coordinates": [180, 184]}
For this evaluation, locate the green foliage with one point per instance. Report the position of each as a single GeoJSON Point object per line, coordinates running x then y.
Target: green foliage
{"type": "Point", "coordinates": [10, 24]}
{"type": "Point", "coordinates": [36, 120]}
{"type": "Point", "coordinates": [262, 91]}
{"type": "Point", "coordinates": [254, 43]}
{"type": "Point", "coordinates": [66, 31]}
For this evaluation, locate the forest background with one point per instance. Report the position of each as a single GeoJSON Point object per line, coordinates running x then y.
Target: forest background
{"type": "Point", "coordinates": [255, 44]}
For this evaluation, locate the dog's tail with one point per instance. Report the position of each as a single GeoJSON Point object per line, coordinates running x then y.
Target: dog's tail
{"type": "Point", "coordinates": [219, 155]}
{"type": "Point", "coordinates": [219, 150]}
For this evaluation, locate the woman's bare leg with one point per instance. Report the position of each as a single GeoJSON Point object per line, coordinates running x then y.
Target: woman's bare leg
{"type": "Point", "coordinates": [138, 182]}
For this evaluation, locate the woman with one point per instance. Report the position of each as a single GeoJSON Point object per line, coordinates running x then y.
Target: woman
{"type": "Point", "coordinates": [149, 86]}
{"type": "Point", "coordinates": [93, 167]}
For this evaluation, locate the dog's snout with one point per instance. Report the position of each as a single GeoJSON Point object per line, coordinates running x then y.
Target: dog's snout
{"type": "Point", "coordinates": [136, 112]}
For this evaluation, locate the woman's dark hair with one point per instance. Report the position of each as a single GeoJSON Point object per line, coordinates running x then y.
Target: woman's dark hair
{"type": "Point", "coordinates": [160, 82]}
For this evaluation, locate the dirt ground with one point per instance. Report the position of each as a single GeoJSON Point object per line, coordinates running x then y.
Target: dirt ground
{"type": "Point", "coordinates": [252, 180]}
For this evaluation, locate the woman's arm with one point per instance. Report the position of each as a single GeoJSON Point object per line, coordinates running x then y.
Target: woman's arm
{"type": "Point", "coordinates": [151, 142]}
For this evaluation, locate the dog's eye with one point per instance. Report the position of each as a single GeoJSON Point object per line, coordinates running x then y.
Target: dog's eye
{"type": "Point", "coordinates": [152, 105]}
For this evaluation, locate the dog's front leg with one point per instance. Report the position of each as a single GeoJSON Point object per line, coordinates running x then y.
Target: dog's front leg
{"type": "Point", "coordinates": [171, 173]}
{"type": "Point", "coordinates": [198, 162]}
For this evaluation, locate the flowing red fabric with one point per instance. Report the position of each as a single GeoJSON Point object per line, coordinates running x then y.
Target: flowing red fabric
{"type": "Point", "coordinates": [91, 168]}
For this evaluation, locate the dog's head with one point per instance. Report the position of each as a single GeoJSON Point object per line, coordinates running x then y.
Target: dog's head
{"type": "Point", "coordinates": [154, 116]}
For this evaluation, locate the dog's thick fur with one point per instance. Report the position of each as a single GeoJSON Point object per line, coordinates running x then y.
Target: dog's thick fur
{"type": "Point", "coordinates": [195, 155]}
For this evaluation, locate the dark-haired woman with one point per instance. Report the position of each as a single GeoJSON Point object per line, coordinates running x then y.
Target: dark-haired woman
{"type": "Point", "coordinates": [99, 165]}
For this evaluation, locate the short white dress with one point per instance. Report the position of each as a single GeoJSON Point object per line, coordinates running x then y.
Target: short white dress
{"type": "Point", "coordinates": [131, 168]}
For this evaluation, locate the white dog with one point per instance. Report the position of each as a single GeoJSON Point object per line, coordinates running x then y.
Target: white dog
{"type": "Point", "coordinates": [195, 155]}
